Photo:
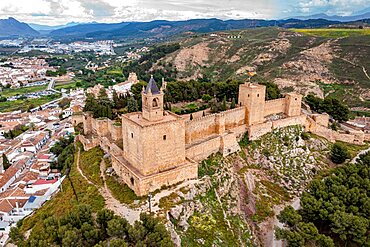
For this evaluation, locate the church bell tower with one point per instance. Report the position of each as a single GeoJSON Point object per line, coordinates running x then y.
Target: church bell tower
{"type": "Point", "coordinates": [152, 101]}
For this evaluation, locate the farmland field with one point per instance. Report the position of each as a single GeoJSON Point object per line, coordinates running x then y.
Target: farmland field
{"type": "Point", "coordinates": [333, 32]}
{"type": "Point", "coordinates": [26, 104]}
{"type": "Point", "coordinates": [23, 90]}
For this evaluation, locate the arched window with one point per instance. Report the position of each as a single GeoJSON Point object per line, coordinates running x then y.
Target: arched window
{"type": "Point", "coordinates": [155, 102]}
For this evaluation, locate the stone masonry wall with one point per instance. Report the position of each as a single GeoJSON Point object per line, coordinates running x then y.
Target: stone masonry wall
{"type": "Point", "coordinates": [258, 130]}
{"type": "Point", "coordinates": [202, 150]}
{"type": "Point", "coordinates": [200, 128]}
{"type": "Point", "coordinates": [143, 185]}
{"type": "Point", "coordinates": [274, 106]}
{"type": "Point", "coordinates": [234, 117]}
{"type": "Point", "coordinates": [315, 126]}
{"type": "Point", "coordinates": [281, 123]}
{"type": "Point", "coordinates": [218, 123]}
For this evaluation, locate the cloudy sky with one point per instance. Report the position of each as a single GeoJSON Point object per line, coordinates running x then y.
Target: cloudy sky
{"type": "Point", "coordinates": [55, 12]}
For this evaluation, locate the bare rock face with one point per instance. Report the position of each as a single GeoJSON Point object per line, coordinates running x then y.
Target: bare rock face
{"type": "Point", "coordinates": [195, 55]}
{"type": "Point", "coordinates": [174, 236]}
{"type": "Point", "coordinates": [176, 211]}
{"type": "Point", "coordinates": [310, 66]}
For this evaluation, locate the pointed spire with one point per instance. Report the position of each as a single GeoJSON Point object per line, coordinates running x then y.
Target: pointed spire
{"type": "Point", "coordinates": [152, 86]}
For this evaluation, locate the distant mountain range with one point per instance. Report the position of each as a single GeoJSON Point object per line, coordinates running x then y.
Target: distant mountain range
{"type": "Point", "coordinates": [162, 28]}
{"type": "Point", "coordinates": [39, 27]}
{"type": "Point", "coordinates": [12, 27]}
{"type": "Point", "coordinates": [335, 17]}
{"type": "Point", "coordinates": [46, 29]}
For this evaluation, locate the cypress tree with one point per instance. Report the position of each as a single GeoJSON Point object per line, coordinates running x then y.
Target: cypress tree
{"type": "Point", "coordinates": [6, 163]}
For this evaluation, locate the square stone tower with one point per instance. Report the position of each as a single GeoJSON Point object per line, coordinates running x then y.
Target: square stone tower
{"type": "Point", "coordinates": [293, 103]}
{"type": "Point", "coordinates": [252, 96]}
{"type": "Point", "coordinates": [153, 150]}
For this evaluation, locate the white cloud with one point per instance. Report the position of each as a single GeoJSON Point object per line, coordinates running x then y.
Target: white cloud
{"type": "Point", "coordinates": [62, 11]}
{"type": "Point", "coordinates": [333, 7]}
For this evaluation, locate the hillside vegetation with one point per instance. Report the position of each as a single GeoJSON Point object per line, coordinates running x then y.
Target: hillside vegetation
{"type": "Point", "coordinates": [335, 209]}
{"type": "Point", "coordinates": [326, 62]}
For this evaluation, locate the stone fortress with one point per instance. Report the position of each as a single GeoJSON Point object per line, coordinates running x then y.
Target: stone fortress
{"type": "Point", "coordinates": [156, 148]}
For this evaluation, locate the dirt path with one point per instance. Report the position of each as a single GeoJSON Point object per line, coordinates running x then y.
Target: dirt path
{"type": "Point", "coordinates": [113, 204]}
{"type": "Point", "coordinates": [358, 155]}
{"type": "Point", "coordinates": [110, 202]}
{"type": "Point", "coordinates": [365, 72]}
{"type": "Point", "coordinates": [79, 169]}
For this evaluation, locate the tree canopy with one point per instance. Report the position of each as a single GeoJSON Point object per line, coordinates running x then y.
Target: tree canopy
{"type": "Point", "coordinates": [80, 228]}
{"type": "Point", "coordinates": [334, 209]}
{"type": "Point", "coordinates": [339, 153]}
{"type": "Point", "coordinates": [332, 106]}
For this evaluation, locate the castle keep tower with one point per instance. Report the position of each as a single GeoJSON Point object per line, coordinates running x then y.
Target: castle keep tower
{"type": "Point", "coordinates": [252, 96]}
{"type": "Point", "coordinates": [153, 146]}
{"type": "Point", "coordinates": [152, 102]}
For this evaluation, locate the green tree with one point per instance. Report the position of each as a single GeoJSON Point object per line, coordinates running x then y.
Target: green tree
{"type": "Point", "coordinates": [117, 227]}
{"type": "Point", "coordinates": [233, 104]}
{"type": "Point", "coordinates": [132, 105]}
{"type": "Point", "coordinates": [289, 216]}
{"type": "Point", "coordinates": [339, 153]}
{"type": "Point", "coordinates": [6, 163]}
{"type": "Point", "coordinates": [206, 98]}
{"type": "Point", "coordinates": [224, 106]}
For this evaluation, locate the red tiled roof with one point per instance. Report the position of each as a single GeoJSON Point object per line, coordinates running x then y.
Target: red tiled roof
{"type": "Point", "coordinates": [43, 181]}
{"type": "Point", "coordinates": [8, 174]}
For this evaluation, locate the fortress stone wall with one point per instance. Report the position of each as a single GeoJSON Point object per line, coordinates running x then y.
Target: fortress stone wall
{"type": "Point", "coordinates": [157, 148]}
{"type": "Point", "coordinates": [274, 106]}
{"type": "Point", "coordinates": [318, 124]}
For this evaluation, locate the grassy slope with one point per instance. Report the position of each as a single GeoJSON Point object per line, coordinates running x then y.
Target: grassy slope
{"type": "Point", "coordinates": [90, 165]}
{"type": "Point", "coordinates": [65, 200]}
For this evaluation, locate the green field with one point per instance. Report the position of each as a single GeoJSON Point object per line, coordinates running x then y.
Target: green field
{"type": "Point", "coordinates": [19, 91]}
{"type": "Point", "coordinates": [333, 32]}
{"type": "Point", "coordinates": [65, 85]}
{"type": "Point", "coordinates": [25, 104]}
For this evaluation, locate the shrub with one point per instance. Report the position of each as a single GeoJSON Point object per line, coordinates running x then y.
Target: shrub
{"type": "Point", "coordinates": [206, 97]}
{"type": "Point", "coordinates": [305, 136]}
{"type": "Point", "coordinates": [339, 153]}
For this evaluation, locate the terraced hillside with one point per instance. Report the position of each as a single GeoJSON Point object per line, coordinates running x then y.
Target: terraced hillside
{"type": "Point", "coordinates": [300, 61]}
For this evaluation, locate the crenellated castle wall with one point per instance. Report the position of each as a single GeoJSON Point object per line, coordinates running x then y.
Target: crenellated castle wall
{"type": "Point", "coordinates": [150, 152]}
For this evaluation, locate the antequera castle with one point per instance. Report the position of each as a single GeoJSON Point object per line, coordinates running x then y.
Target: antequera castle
{"type": "Point", "coordinates": [156, 148]}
